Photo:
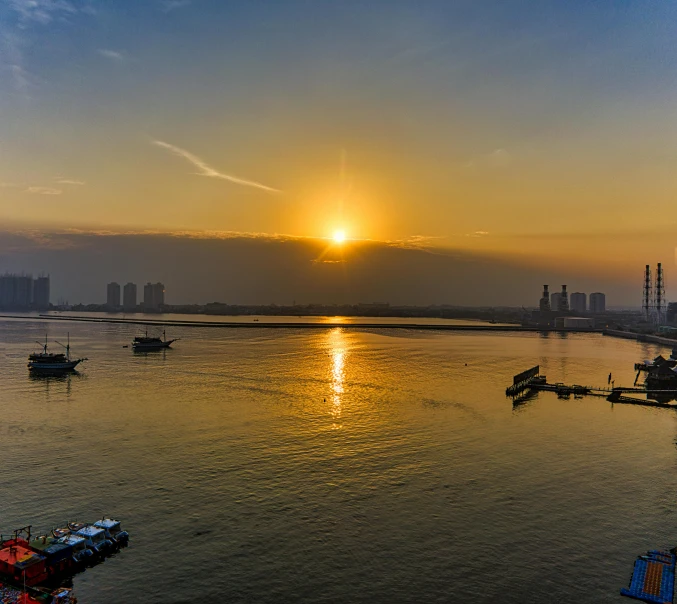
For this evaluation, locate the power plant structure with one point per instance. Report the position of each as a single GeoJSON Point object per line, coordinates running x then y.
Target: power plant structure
{"type": "Point", "coordinates": [555, 307]}
{"type": "Point", "coordinates": [654, 303]}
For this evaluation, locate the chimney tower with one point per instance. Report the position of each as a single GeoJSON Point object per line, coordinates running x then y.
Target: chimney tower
{"type": "Point", "coordinates": [659, 292]}
{"type": "Point", "coordinates": [564, 300]}
{"type": "Point", "coordinates": [647, 296]}
{"type": "Point", "coordinates": [545, 300]}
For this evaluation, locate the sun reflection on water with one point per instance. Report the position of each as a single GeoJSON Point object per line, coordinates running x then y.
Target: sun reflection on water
{"type": "Point", "coordinates": [337, 350]}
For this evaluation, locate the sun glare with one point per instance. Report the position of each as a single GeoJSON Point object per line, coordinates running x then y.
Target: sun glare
{"type": "Point", "coordinates": [339, 236]}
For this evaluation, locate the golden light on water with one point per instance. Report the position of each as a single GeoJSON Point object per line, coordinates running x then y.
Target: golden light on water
{"type": "Point", "coordinates": [337, 351]}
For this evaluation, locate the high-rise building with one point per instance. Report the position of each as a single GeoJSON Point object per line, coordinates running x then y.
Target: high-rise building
{"type": "Point", "coordinates": [41, 293]}
{"type": "Point", "coordinates": [578, 302]}
{"type": "Point", "coordinates": [129, 296]}
{"type": "Point", "coordinates": [597, 302]}
{"type": "Point", "coordinates": [113, 295]}
{"type": "Point", "coordinates": [554, 300]}
{"type": "Point", "coordinates": [22, 292]}
{"type": "Point", "coordinates": [153, 296]}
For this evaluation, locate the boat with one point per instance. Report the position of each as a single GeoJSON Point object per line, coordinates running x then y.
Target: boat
{"type": "Point", "coordinates": [113, 531]}
{"type": "Point", "coordinates": [146, 342]}
{"type": "Point", "coordinates": [53, 362]}
{"type": "Point", "coordinates": [42, 562]}
{"type": "Point", "coordinates": [10, 594]}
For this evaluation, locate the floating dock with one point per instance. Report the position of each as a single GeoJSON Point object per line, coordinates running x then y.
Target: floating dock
{"type": "Point", "coordinates": [653, 578]}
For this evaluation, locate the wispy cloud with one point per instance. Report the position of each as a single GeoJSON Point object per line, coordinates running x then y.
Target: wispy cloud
{"type": "Point", "coordinates": [170, 5]}
{"type": "Point", "coordinates": [498, 158]}
{"type": "Point", "coordinates": [206, 170]}
{"type": "Point", "coordinates": [41, 11]}
{"type": "Point", "coordinates": [68, 181]}
{"type": "Point", "coordinates": [44, 191]}
{"type": "Point", "coordinates": [477, 234]}
{"type": "Point", "coordinates": [113, 55]}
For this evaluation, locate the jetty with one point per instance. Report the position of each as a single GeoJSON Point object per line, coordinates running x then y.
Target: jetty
{"type": "Point", "coordinates": [530, 381]}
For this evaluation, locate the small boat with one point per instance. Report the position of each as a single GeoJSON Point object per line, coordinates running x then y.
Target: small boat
{"type": "Point", "coordinates": [146, 342]}
{"type": "Point", "coordinates": [53, 362]}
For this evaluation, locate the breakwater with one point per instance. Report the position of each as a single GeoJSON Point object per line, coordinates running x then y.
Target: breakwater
{"type": "Point", "coordinates": [255, 324]}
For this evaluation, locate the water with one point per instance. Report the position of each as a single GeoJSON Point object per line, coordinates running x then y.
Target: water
{"type": "Point", "coordinates": [339, 465]}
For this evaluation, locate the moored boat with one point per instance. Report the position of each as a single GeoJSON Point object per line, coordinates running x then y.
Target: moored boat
{"type": "Point", "coordinates": [146, 342]}
{"type": "Point", "coordinates": [53, 362]}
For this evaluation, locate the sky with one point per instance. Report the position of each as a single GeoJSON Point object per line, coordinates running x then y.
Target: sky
{"type": "Point", "coordinates": [539, 134]}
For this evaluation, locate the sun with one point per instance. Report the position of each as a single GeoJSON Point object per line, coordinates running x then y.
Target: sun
{"type": "Point", "coordinates": [339, 236]}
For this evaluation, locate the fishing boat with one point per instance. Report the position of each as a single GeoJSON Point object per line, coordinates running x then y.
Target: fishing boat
{"type": "Point", "coordinates": [53, 362]}
{"type": "Point", "coordinates": [56, 556]}
{"type": "Point", "coordinates": [146, 342]}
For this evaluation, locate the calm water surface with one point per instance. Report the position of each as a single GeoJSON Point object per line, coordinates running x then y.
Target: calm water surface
{"type": "Point", "coordinates": [339, 466]}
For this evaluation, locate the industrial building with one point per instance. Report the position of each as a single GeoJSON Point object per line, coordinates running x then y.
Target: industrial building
{"type": "Point", "coordinates": [113, 295]}
{"type": "Point", "coordinates": [22, 292]}
{"type": "Point", "coordinates": [578, 302]}
{"type": "Point", "coordinates": [129, 296]}
{"type": "Point", "coordinates": [153, 296]}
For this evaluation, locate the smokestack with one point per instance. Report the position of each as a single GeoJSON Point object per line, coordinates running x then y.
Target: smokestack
{"type": "Point", "coordinates": [647, 295]}
{"type": "Point", "coordinates": [659, 292]}
{"type": "Point", "coordinates": [563, 299]}
{"type": "Point", "coordinates": [545, 300]}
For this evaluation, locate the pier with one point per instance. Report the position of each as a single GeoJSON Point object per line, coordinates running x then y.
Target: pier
{"type": "Point", "coordinates": [529, 382]}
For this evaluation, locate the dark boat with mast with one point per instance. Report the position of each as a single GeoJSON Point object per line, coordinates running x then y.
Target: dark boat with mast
{"type": "Point", "coordinates": [146, 342]}
{"type": "Point", "coordinates": [53, 362]}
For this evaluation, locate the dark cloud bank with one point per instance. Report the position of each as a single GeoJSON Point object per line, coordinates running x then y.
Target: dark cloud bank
{"type": "Point", "coordinates": [264, 270]}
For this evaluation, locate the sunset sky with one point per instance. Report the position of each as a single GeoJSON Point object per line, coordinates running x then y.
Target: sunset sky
{"type": "Point", "coordinates": [541, 130]}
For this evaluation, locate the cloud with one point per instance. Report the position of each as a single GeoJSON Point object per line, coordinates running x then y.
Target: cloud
{"type": "Point", "coordinates": [498, 158]}
{"type": "Point", "coordinates": [170, 5]}
{"type": "Point", "coordinates": [207, 170]}
{"type": "Point", "coordinates": [477, 234]}
{"type": "Point", "coordinates": [41, 11]}
{"type": "Point", "coordinates": [21, 78]}
{"type": "Point", "coordinates": [44, 190]}
{"type": "Point", "coordinates": [113, 55]}
{"type": "Point", "coordinates": [68, 181]}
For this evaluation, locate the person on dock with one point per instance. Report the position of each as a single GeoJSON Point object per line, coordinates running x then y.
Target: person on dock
{"type": "Point", "coordinates": [609, 380]}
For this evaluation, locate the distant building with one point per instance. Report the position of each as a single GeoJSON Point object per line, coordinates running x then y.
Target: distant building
{"type": "Point", "coordinates": [671, 316]}
{"type": "Point", "coordinates": [597, 302]}
{"type": "Point", "coordinates": [41, 293]}
{"type": "Point", "coordinates": [544, 303]}
{"type": "Point", "coordinates": [575, 322]}
{"type": "Point", "coordinates": [554, 300]}
{"type": "Point", "coordinates": [153, 296]}
{"type": "Point", "coordinates": [129, 296]}
{"type": "Point", "coordinates": [22, 292]}
{"type": "Point", "coordinates": [113, 295]}
{"type": "Point", "coordinates": [578, 302]}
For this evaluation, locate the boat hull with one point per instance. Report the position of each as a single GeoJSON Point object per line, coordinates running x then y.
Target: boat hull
{"type": "Point", "coordinates": [53, 367]}
{"type": "Point", "coordinates": [154, 346]}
